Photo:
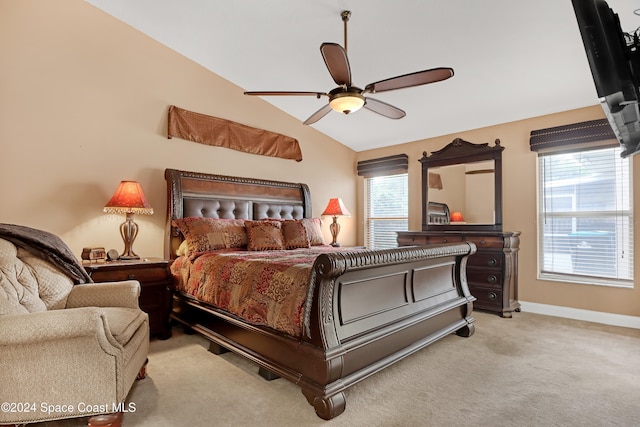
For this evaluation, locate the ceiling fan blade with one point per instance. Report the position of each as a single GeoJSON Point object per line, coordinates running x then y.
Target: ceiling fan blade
{"type": "Point", "coordinates": [275, 93]}
{"type": "Point", "coordinates": [409, 80]}
{"type": "Point", "coordinates": [318, 115]}
{"type": "Point", "coordinates": [383, 108]}
{"type": "Point", "coordinates": [335, 58]}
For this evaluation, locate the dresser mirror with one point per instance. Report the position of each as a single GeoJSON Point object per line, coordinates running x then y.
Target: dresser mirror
{"type": "Point", "coordinates": [465, 180]}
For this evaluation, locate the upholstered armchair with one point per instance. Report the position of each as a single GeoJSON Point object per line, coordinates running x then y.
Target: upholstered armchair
{"type": "Point", "coordinates": [67, 348]}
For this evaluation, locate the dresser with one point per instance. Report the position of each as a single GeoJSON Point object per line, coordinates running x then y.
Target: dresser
{"type": "Point", "coordinates": [492, 272]}
{"type": "Point", "coordinates": [462, 201]}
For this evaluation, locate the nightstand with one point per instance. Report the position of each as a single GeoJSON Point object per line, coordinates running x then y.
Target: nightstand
{"type": "Point", "coordinates": [154, 277]}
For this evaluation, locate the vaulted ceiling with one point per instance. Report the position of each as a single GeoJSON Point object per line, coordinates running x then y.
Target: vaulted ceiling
{"type": "Point", "coordinates": [513, 59]}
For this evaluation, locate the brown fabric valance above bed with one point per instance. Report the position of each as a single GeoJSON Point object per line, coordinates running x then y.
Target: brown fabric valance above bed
{"type": "Point", "coordinates": [218, 132]}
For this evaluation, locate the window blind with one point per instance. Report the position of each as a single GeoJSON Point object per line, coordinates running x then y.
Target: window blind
{"type": "Point", "coordinates": [387, 210]}
{"type": "Point", "coordinates": [586, 217]}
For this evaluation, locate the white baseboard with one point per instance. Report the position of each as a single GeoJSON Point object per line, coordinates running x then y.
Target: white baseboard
{"type": "Point", "coordinates": [579, 314]}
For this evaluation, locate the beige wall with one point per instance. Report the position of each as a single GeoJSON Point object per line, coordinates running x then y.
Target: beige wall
{"type": "Point", "coordinates": [519, 211]}
{"type": "Point", "coordinates": [83, 105]}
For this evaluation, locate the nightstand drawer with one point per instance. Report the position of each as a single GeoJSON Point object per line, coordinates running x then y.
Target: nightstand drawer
{"type": "Point", "coordinates": [154, 273]}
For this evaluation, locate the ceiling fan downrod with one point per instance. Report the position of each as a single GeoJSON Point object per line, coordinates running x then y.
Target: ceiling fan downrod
{"type": "Point", "coordinates": [346, 14]}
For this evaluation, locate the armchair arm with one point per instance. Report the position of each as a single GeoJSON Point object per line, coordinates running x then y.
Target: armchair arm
{"type": "Point", "coordinates": [108, 294]}
{"type": "Point", "coordinates": [51, 325]}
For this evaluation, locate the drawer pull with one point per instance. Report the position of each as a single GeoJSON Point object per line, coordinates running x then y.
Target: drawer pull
{"type": "Point", "coordinates": [493, 296]}
{"type": "Point", "coordinates": [444, 240]}
{"type": "Point", "coordinates": [492, 279]}
{"type": "Point", "coordinates": [132, 276]}
{"type": "Point", "coordinates": [492, 261]}
{"type": "Point", "coordinates": [483, 242]}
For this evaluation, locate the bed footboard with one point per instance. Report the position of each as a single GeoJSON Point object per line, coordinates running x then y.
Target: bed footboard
{"type": "Point", "coordinates": [366, 310]}
{"type": "Point", "coordinates": [373, 308]}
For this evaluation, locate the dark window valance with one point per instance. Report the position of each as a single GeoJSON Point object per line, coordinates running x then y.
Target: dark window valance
{"type": "Point", "coordinates": [391, 165]}
{"type": "Point", "coordinates": [576, 135]}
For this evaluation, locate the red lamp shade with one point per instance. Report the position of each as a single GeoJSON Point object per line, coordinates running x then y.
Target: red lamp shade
{"type": "Point", "coordinates": [335, 207]}
{"type": "Point", "coordinates": [457, 217]}
{"type": "Point", "coordinates": [129, 198]}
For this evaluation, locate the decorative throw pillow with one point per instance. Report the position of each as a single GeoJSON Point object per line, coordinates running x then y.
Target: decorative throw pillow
{"type": "Point", "coordinates": [183, 249]}
{"type": "Point", "coordinates": [264, 235]}
{"type": "Point", "coordinates": [295, 235]}
{"type": "Point", "coordinates": [313, 226]}
{"type": "Point", "coordinates": [209, 234]}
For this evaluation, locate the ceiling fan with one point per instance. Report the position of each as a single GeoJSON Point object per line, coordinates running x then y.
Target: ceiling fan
{"type": "Point", "coordinates": [347, 98]}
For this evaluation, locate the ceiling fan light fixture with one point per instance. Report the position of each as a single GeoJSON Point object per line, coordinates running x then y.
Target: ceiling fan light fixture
{"type": "Point", "coordinates": [346, 102]}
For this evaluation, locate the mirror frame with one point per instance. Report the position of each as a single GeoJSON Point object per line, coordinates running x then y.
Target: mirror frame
{"type": "Point", "coordinates": [458, 152]}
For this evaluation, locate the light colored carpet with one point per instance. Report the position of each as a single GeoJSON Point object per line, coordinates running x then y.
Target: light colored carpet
{"type": "Point", "coordinates": [531, 370]}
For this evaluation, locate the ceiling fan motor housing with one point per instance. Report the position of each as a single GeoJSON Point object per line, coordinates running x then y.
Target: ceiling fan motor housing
{"type": "Point", "coordinates": [346, 100]}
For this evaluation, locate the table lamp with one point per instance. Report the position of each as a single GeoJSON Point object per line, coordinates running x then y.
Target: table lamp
{"type": "Point", "coordinates": [129, 199]}
{"type": "Point", "coordinates": [335, 208]}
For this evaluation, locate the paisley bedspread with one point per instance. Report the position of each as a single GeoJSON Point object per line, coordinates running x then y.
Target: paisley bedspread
{"type": "Point", "coordinates": [267, 288]}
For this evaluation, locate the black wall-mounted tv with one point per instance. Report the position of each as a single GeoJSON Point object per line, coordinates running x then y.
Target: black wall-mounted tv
{"type": "Point", "coordinates": [614, 59]}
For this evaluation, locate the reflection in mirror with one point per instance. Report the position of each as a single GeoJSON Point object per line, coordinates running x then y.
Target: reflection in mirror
{"type": "Point", "coordinates": [468, 189]}
{"type": "Point", "coordinates": [466, 179]}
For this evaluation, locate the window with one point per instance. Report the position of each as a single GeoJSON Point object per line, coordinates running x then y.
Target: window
{"type": "Point", "coordinates": [585, 217]}
{"type": "Point", "coordinates": [387, 208]}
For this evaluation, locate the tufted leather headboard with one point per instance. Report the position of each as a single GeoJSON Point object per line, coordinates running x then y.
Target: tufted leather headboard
{"type": "Point", "coordinates": [217, 196]}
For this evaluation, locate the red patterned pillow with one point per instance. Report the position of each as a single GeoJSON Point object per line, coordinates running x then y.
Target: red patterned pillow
{"type": "Point", "coordinates": [313, 226]}
{"type": "Point", "coordinates": [295, 235]}
{"type": "Point", "coordinates": [209, 234]}
{"type": "Point", "coordinates": [264, 235]}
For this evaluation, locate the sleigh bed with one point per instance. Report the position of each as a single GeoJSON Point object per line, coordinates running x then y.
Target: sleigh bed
{"type": "Point", "coordinates": [361, 310]}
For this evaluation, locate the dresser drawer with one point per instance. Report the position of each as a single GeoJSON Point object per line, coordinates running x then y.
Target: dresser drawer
{"type": "Point", "coordinates": [486, 259]}
{"type": "Point", "coordinates": [484, 277]}
{"type": "Point", "coordinates": [421, 239]}
{"type": "Point", "coordinates": [436, 240]}
{"type": "Point", "coordinates": [412, 239]}
{"type": "Point", "coordinates": [486, 241]}
{"type": "Point", "coordinates": [487, 299]}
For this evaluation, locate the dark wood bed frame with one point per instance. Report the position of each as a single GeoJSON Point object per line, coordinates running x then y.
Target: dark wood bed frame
{"type": "Point", "coordinates": [367, 309]}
